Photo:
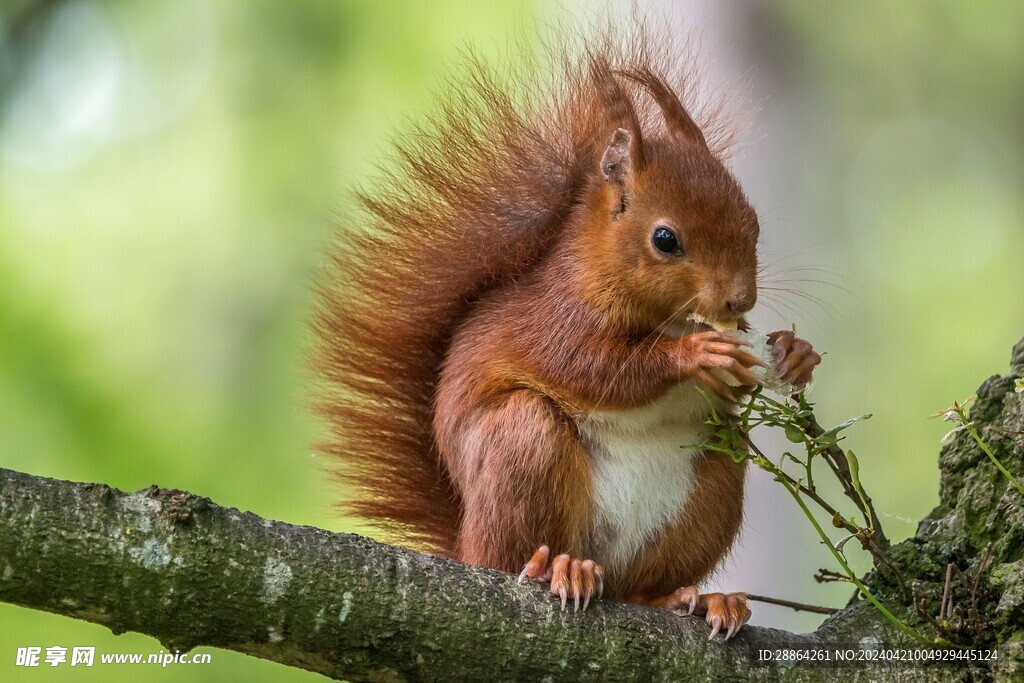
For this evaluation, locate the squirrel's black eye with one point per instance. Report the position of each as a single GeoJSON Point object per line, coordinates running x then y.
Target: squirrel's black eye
{"type": "Point", "coordinates": [665, 241]}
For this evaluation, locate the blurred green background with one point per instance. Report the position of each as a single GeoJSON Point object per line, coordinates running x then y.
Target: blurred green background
{"type": "Point", "coordinates": [171, 170]}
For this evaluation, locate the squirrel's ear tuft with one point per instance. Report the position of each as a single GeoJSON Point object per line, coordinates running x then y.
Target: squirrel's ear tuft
{"type": "Point", "coordinates": [677, 120]}
{"type": "Point", "coordinates": [615, 162]}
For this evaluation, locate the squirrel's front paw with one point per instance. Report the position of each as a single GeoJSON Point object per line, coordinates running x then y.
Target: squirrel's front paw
{"type": "Point", "coordinates": [708, 353]}
{"type": "Point", "coordinates": [726, 611]}
{"type": "Point", "coordinates": [795, 358]}
{"type": "Point", "coordinates": [582, 579]}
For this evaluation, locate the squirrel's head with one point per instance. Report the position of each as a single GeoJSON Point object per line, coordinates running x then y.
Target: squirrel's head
{"type": "Point", "coordinates": [672, 234]}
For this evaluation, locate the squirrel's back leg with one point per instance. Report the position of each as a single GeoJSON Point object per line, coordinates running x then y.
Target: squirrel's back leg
{"type": "Point", "coordinates": [524, 479]}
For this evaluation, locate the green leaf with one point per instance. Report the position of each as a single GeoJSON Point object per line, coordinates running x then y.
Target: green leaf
{"type": "Point", "coordinates": [1018, 385]}
{"type": "Point", "coordinates": [794, 434]}
{"type": "Point", "coordinates": [789, 456]}
{"type": "Point", "coordinates": [714, 418]}
{"type": "Point", "coordinates": [739, 456]}
{"type": "Point", "coordinates": [854, 471]}
{"type": "Point", "coordinates": [832, 435]}
{"type": "Point", "coordinates": [851, 458]}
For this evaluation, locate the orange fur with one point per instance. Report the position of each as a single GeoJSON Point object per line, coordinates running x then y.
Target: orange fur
{"type": "Point", "coordinates": [504, 287]}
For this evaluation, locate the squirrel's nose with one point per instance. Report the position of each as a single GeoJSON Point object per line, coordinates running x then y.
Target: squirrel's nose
{"type": "Point", "coordinates": [741, 303]}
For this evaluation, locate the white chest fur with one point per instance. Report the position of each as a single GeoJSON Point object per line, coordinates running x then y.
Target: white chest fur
{"type": "Point", "coordinates": [642, 475]}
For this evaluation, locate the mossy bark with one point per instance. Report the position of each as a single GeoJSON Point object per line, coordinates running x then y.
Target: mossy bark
{"type": "Point", "coordinates": [189, 572]}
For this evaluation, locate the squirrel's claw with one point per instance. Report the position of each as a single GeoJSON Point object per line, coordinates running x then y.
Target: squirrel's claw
{"type": "Point", "coordinates": [582, 580]}
{"type": "Point", "coordinates": [726, 611]}
{"type": "Point", "coordinates": [689, 596]}
{"type": "Point", "coordinates": [716, 625]}
{"type": "Point", "coordinates": [536, 569]}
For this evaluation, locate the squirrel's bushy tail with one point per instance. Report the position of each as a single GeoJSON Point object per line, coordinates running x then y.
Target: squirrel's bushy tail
{"type": "Point", "coordinates": [475, 196]}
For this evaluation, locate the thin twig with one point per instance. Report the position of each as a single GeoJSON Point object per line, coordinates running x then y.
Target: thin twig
{"type": "Point", "coordinates": [798, 606]}
{"type": "Point", "coordinates": [878, 542]}
{"type": "Point", "coordinates": [840, 465]}
{"type": "Point", "coordinates": [867, 542]}
{"type": "Point", "coordinates": [829, 576]}
{"type": "Point", "coordinates": [945, 591]}
{"type": "Point", "coordinates": [921, 607]}
{"type": "Point", "coordinates": [986, 557]}
{"type": "Point", "coordinates": [846, 567]}
{"type": "Point", "coordinates": [810, 493]}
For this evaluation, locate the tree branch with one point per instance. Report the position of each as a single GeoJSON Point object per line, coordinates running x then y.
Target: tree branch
{"type": "Point", "coordinates": [189, 572]}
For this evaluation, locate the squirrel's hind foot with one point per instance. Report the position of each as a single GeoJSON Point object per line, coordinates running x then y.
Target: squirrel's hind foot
{"type": "Point", "coordinates": [726, 611]}
{"type": "Point", "coordinates": [580, 579]}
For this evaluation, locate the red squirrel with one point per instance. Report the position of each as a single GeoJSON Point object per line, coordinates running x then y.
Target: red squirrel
{"type": "Point", "coordinates": [516, 368]}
